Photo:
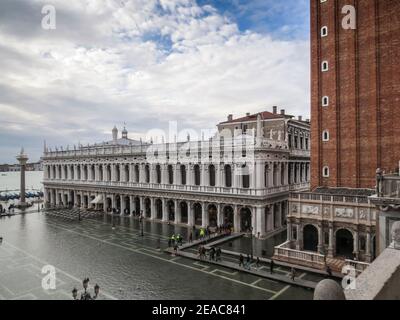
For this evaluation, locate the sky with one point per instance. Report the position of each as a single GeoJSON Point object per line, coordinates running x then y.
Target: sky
{"type": "Point", "coordinates": [143, 64]}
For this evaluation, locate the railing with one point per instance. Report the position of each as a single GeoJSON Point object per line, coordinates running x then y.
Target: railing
{"type": "Point", "coordinates": [309, 196]}
{"type": "Point", "coordinates": [222, 190]}
{"type": "Point", "coordinates": [282, 251]}
{"type": "Point", "coordinates": [357, 265]}
{"type": "Point", "coordinates": [169, 148]}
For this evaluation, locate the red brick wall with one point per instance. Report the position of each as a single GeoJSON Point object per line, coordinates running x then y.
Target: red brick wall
{"type": "Point", "coordinates": [363, 84]}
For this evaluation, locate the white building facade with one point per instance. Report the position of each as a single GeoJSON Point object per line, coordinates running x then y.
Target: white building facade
{"type": "Point", "coordinates": [243, 181]}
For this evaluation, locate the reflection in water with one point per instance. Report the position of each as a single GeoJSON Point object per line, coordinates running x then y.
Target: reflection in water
{"type": "Point", "coordinates": [124, 264]}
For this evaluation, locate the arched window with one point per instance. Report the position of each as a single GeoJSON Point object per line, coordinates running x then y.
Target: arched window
{"type": "Point", "coordinates": [196, 175]}
{"type": "Point", "coordinates": [325, 135]}
{"type": "Point", "coordinates": [137, 173]}
{"type": "Point", "coordinates": [245, 176]}
{"type": "Point", "coordinates": [170, 174]}
{"type": "Point", "coordinates": [158, 173]}
{"type": "Point", "coordinates": [324, 66]}
{"type": "Point", "coordinates": [324, 31]}
{"type": "Point", "coordinates": [228, 176]}
{"type": "Point", "coordinates": [93, 172]}
{"type": "Point", "coordinates": [325, 172]}
{"type": "Point", "coordinates": [266, 176]}
{"type": "Point", "coordinates": [325, 101]}
{"type": "Point", "coordinates": [147, 173]}
{"type": "Point", "coordinates": [211, 172]}
{"type": "Point", "coordinates": [183, 175]}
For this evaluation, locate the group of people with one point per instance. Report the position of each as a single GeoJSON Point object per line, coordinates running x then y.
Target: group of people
{"type": "Point", "coordinates": [175, 241]}
{"type": "Point", "coordinates": [214, 254]}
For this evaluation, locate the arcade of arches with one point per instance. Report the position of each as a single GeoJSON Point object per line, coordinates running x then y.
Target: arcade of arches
{"type": "Point", "coordinates": [334, 240]}
{"type": "Point", "coordinates": [256, 219]}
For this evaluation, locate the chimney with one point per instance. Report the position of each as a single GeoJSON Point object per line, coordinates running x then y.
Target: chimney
{"type": "Point", "coordinates": [300, 118]}
{"type": "Point", "coordinates": [282, 112]}
{"type": "Point", "coordinates": [230, 117]}
{"type": "Point", "coordinates": [247, 114]}
{"type": "Point", "coordinates": [308, 120]}
{"type": "Point", "coordinates": [274, 109]}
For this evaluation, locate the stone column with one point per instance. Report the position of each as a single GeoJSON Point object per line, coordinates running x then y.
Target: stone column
{"type": "Point", "coordinates": [356, 247]}
{"type": "Point", "coordinates": [164, 210]}
{"type": "Point", "coordinates": [289, 231]}
{"type": "Point", "coordinates": [152, 209]}
{"type": "Point", "coordinates": [271, 173]}
{"type": "Point", "coordinates": [113, 202]}
{"type": "Point", "coordinates": [219, 215]}
{"type": "Point", "coordinates": [368, 246]}
{"type": "Point", "coordinates": [236, 219]}
{"type": "Point", "coordinates": [177, 212]}
{"type": "Point", "coordinates": [190, 213]}
{"type": "Point", "coordinates": [204, 215]}
{"type": "Point", "coordinates": [320, 239]}
{"type": "Point", "coordinates": [131, 204]}
{"type": "Point", "coordinates": [141, 204]}
{"type": "Point", "coordinates": [270, 218]}
{"type": "Point", "coordinates": [330, 246]}
{"type": "Point", "coordinates": [22, 158]}
{"type": "Point", "coordinates": [123, 206]}
{"type": "Point", "coordinates": [104, 202]}
{"type": "Point", "coordinates": [299, 242]}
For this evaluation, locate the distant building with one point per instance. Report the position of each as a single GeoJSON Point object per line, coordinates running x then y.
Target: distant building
{"type": "Point", "coordinates": [215, 181]}
{"type": "Point", "coordinates": [34, 166]}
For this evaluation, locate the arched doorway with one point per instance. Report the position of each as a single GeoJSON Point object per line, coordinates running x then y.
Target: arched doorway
{"type": "Point", "coordinates": [344, 243]}
{"type": "Point", "coordinates": [147, 207]}
{"type": "Point", "coordinates": [228, 216]}
{"type": "Point", "coordinates": [118, 202]}
{"type": "Point", "coordinates": [171, 210]}
{"type": "Point", "coordinates": [159, 209]}
{"type": "Point", "coordinates": [197, 214]}
{"type": "Point", "coordinates": [127, 205]}
{"type": "Point", "coordinates": [310, 238]}
{"type": "Point", "coordinates": [245, 219]}
{"type": "Point", "coordinates": [184, 212]}
{"type": "Point", "coordinates": [137, 206]}
{"type": "Point", "coordinates": [212, 216]}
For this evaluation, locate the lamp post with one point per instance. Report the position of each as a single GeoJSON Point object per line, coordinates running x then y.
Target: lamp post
{"type": "Point", "coordinates": [251, 242]}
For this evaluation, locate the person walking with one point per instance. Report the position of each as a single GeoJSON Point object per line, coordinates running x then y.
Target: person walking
{"type": "Point", "coordinates": [191, 237]}
{"type": "Point", "coordinates": [218, 254]}
{"type": "Point", "coordinates": [248, 262]}
{"type": "Point", "coordinates": [241, 260]}
{"type": "Point", "coordinates": [257, 263]}
{"type": "Point", "coordinates": [271, 266]}
{"type": "Point", "coordinates": [292, 274]}
{"type": "Point", "coordinates": [176, 248]}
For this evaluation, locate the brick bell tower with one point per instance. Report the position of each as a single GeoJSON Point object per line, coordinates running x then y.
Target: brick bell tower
{"type": "Point", "coordinates": [355, 91]}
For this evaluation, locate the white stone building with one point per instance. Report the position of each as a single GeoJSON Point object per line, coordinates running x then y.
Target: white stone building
{"type": "Point", "coordinates": [242, 177]}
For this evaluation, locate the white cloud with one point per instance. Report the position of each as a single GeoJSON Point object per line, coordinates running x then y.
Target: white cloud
{"type": "Point", "coordinates": [143, 62]}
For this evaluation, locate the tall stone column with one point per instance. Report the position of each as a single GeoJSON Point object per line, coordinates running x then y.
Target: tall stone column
{"type": "Point", "coordinates": [204, 215]}
{"type": "Point", "coordinates": [131, 204]}
{"type": "Point", "coordinates": [152, 209]}
{"type": "Point", "coordinates": [236, 219]}
{"type": "Point", "coordinates": [22, 158]}
{"type": "Point", "coordinates": [356, 247]}
{"type": "Point", "coordinates": [368, 246]}
{"type": "Point", "coordinates": [289, 231]}
{"type": "Point", "coordinates": [123, 204]}
{"type": "Point", "coordinates": [141, 203]}
{"type": "Point", "coordinates": [321, 239]}
{"type": "Point", "coordinates": [177, 212]}
{"type": "Point", "coordinates": [260, 221]}
{"type": "Point", "coordinates": [299, 242]}
{"type": "Point", "coordinates": [164, 210]}
{"type": "Point", "coordinates": [219, 215]}
{"type": "Point", "coordinates": [190, 213]}
{"type": "Point", "coordinates": [330, 246]}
